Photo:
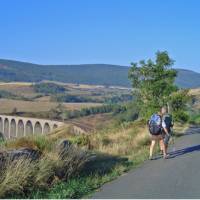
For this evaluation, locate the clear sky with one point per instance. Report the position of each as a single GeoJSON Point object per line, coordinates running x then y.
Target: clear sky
{"type": "Point", "coordinates": [100, 31]}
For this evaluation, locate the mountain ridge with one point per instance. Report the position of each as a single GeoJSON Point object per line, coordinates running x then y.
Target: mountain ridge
{"type": "Point", "coordinates": [96, 74]}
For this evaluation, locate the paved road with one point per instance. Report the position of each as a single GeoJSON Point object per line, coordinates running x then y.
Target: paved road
{"type": "Point", "coordinates": [177, 177]}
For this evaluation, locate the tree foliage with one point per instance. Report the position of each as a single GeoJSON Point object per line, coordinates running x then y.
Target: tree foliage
{"type": "Point", "coordinates": [179, 99]}
{"type": "Point", "coordinates": [48, 88]}
{"type": "Point", "coordinates": [178, 104]}
{"type": "Point", "coordinates": [153, 82]}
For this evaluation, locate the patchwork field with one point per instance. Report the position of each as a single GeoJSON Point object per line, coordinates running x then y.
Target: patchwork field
{"type": "Point", "coordinates": [7, 105]}
{"type": "Point", "coordinates": [93, 122]}
{"type": "Point", "coordinates": [21, 98]}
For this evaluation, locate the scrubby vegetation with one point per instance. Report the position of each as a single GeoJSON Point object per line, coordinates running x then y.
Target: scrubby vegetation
{"type": "Point", "coordinates": [8, 95]}
{"type": "Point", "coordinates": [114, 154]}
{"type": "Point", "coordinates": [78, 99]}
{"type": "Point", "coordinates": [94, 160]}
{"type": "Point", "coordinates": [101, 155]}
{"type": "Point", "coordinates": [119, 98]}
{"type": "Point", "coordinates": [73, 98]}
{"type": "Point", "coordinates": [195, 119]}
{"type": "Point", "coordinates": [60, 113]}
{"type": "Point", "coordinates": [21, 175]}
{"type": "Point", "coordinates": [48, 88]}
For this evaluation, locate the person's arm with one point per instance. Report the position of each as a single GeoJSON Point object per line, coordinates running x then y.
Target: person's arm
{"type": "Point", "coordinates": [166, 131]}
{"type": "Point", "coordinates": [165, 127]}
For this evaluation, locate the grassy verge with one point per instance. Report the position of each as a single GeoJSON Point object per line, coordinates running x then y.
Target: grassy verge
{"type": "Point", "coordinates": [117, 150]}
{"type": "Point", "coordinates": [195, 119]}
{"type": "Point", "coordinates": [85, 184]}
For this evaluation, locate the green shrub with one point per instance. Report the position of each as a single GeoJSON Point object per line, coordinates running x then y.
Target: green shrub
{"type": "Point", "coordinates": [48, 88]}
{"type": "Point", "coordinates": [181, 116]}
{"type": "Point", "coordinates": [43, 143]}
{"type": "Point", "coordinates": [19, 177]}
{"type": "Point", "coordinates": [195, 119]}
{"type": "Point", "coordinates": [128, 112]}
{"type": "Point", "coordinates": [81, 140]}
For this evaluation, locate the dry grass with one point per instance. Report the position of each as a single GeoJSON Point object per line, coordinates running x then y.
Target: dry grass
{"type": "Point", "coordinates": [22, 175]}
{"type": "Point", "coordinates": [79, 106]}
{"type": "Point", "coordinates": [37, 142]}
{"type": "Point", "coordinates": [61, 132]}
{"type": "Point", "coordinates": [92, 123]}
{"type": "Point", "coordinates": [21, 143]}
{"type": "Point", "coordinates": [7, 106]}
{"type": "Point", "coordinates": [16, 83]}
{"type": "Point", "coordinates": [179, 129]}
{"type": "Point", "coordinates": [123, 141]}
{"type": "Point", "coordinates": [19, 88]}
{"type": "Point", "coordinates": [120, 141]}
{"type": "Point", "coordinates": [15, 176]}
{"type": "Point", "coordinates": [195, 91]}
{"type": "Point", "coordinates": [129, 140]}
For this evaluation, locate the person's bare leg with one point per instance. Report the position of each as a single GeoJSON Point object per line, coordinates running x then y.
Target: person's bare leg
{"type": "Point", "coordinates": [164, 148]}
{"type": "Point", "coordinates": [161, 147]}
{"type": "Point", "coordinates": [153, 142]}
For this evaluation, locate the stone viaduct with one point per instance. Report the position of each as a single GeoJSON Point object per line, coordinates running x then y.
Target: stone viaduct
{"type": "Point", "coordinates": [14, 126]}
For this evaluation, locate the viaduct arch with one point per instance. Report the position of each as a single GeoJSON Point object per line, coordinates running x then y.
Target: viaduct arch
{"type": "Point", "coordinates": [14, 126]}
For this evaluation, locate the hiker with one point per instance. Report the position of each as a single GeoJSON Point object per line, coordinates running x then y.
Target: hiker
{"type": "Point", "coordinates": [155, 128]}
{"type": "Point", "coordinates": [167, 124]}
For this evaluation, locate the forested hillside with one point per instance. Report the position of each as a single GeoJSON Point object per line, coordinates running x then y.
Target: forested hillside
{"type": "Point", "coordinates": [96, 74]}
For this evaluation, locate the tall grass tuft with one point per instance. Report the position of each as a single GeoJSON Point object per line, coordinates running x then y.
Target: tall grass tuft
{"type": "Point", "coordinates": [22, 174]}
{"type": "Point", "coordinates": [16, 176]}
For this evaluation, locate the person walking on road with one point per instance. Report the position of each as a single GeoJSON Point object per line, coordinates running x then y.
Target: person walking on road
{"type": "Point", "coordinates": [167, 125]}
{"type": "Point", "coordinates": [155, 128]}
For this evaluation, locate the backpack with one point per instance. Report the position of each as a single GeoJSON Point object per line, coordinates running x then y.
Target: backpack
{"type": "Point", "coordinates": [167, 118]}
{"type": "Point", "coordinates": [155, 124]}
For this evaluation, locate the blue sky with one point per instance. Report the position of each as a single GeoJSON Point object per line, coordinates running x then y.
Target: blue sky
{"type": "Point", "coordinates": [100, 31]}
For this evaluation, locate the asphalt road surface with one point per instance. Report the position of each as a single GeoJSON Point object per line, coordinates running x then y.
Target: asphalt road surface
{"type": "Point", "coordinates": [176, 177]}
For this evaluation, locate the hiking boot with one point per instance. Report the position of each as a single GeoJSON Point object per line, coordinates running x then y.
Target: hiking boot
{"type": "Point", "coordinates": [161, 152]}
{"type": "Point", "coordinates": [166, 156]}
{"type": "Point", "coordinates": [150, 158]}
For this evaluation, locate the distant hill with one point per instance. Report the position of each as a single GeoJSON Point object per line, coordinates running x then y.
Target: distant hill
{"type": "Point", "coordinates": [96, 74]}
{"type": "Point", "coordinates": [188, 79]}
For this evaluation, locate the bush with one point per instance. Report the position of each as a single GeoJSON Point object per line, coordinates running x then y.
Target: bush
{"type": "Point", "coordinates": [16, 176]}
{"type": "Point", "coordinates": [181, 116]}
{"type": "Point", "coordinates": [179, 99]}
{"type": "Point", "coordinates": [22, 175]}
{"type": "Point", "coordinates": [37, 142]}
{"type": "Point", "coordinates": [81, 140]}
{"type": "Point", "coordinates": [127, 113]}
{"type": "Point", "coordinates": [119, 98]}
{"type": "Point", "coordinates": [71, 162]}
{"type": "Point", "coordinates": [68, 98]}
{"type": "Point", "coordinates": [48, 88]}
{"type": "Point", "coordinates": [8, 95]}
{"type": "Point", "coordinates": [195, 119]}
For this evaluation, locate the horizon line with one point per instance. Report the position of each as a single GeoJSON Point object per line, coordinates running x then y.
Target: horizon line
{"type": "Point", "coordinates": [120, 65]}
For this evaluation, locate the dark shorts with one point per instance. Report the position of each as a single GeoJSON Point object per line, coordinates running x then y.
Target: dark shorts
{"type": "Point", "coordinates": [156, 137]}
{"type": "Point", "coordinates": [166, 139]}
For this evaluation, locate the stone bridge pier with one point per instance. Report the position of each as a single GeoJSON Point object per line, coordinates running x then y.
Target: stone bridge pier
{"type": "Point", "coordinates": [14, 126]}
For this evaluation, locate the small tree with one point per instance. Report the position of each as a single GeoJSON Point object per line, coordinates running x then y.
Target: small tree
{"type": "Point", "coordinates": [14, 111]}
{"type": "Point", "coordinates": [153, 82]}
{"type": "Point", "coordinates": [179, 99]}
{"type": "Point", "coordinates": [178, 102]}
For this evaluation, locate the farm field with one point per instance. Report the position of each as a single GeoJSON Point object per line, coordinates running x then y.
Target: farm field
{"type": "Point", "coordinates": [43, 101]}
{"type": "Point", "coordinates": [7, 105]}
{"type": "Point", "coordinates": [93, 122]}
{"type": "Point", "coordinates": [25, 89]}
